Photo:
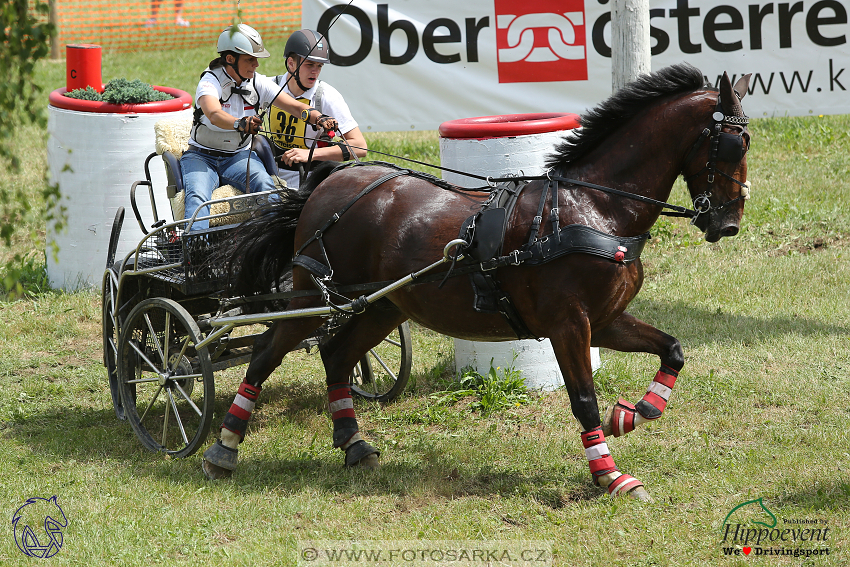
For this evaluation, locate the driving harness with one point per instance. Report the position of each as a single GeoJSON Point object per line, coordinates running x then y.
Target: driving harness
{"type": "Point", "coordinates": [484, 234]}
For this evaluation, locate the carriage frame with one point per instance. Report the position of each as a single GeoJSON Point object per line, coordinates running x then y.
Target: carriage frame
{"type": "Point", "coordinates": [169, 320]}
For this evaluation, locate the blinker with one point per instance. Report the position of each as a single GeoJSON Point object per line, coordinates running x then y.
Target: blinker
{"type": "Point", "coordinates": [730, 148]}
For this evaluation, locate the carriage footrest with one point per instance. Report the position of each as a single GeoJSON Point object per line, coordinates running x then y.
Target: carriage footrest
{"type": "Point", "coordinates": [222, 456]}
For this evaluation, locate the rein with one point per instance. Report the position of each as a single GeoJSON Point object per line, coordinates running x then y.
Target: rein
{"type": "Point", "coordinates": [723, 146]}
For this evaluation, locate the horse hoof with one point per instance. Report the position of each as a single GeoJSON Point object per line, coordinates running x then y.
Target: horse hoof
{"type": "Point", "coordinates": [362, 454]}
{"type": "Point", "coordinates": [627, 484]}
{"type": "Point", "coordinates": [621, 418]}
{"type": "Point", "coordinates": [215, 472]}
{"type": "Point", "coordinates": [640, 494]}
{"type": "Point", "coordinates": [607, 430]}
{"type": "Point", "coordinates": [370, 462]}
{"type": "Point", "coordinates": [222, 456]}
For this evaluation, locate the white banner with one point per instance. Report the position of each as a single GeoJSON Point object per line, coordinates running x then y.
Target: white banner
{"type": "Point", "coordinates": [413, 64]}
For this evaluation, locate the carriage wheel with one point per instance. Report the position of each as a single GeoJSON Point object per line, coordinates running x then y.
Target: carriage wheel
{"type": "Point", "coordinates": [109, 301]}
{"type": "Point", "coordinates": [382, 374]}
{"type": "Point", "coordinates": [110, 340]}
{"type": "Point", "coordinates": [166, 384]}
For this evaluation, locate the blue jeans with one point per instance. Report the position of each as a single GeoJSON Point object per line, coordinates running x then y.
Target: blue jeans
{"type": "Point", "coordinates": [203, 173]}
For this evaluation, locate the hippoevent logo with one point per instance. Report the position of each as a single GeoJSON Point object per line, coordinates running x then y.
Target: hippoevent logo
{"type": "Point", "coordinates": [540, 41]}
{"type": "Point", "coordinates": [38, 525]}
{"type": "Point", "coordinates": [751, 528]}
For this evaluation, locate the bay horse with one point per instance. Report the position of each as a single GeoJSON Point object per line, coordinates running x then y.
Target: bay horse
{"type": "Point", "coordinates": [373, 223]}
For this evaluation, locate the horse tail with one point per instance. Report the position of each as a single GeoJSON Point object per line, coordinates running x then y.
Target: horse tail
{"type": "Point", "coordinates": [264, 244]}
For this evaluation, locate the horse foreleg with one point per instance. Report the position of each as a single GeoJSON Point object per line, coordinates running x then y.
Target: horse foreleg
{"type": "Point", "coordinates": [573, 354]}
{"type": "Point", "coordinates": [268, 352]}
{"type": "Point", "coordinates": [628, 334]}
{"type": "Point", "coordinates": [339, 354]}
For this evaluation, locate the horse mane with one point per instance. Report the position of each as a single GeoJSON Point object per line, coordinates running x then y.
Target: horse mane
{"type": "Point", "coordinates": [601, 121]}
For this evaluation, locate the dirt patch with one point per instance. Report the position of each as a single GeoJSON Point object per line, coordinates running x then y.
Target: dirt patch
{"type": "Point", "coordinates": [803, 245]}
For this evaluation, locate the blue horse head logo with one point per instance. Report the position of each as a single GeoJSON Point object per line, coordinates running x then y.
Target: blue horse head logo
{"type": "Point", "coordinates": [39, 512]}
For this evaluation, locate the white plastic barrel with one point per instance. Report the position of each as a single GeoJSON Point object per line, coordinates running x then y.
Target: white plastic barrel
{"type": "Point", "coordinates": [95, 152]}
{"type": "Point", "coordinates": [95, 158]}
{"type": "Point", "coordinates": [496, 146]}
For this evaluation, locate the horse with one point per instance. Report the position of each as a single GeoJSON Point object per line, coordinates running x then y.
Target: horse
{"type": "Point", "coordinates": [604, 190]}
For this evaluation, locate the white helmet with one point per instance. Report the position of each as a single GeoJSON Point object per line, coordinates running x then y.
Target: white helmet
{"type": "Point", "coordinates": [242, 39]}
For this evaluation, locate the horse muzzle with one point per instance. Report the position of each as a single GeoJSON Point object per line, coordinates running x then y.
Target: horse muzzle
{"type": "Point", "coordinates": [717, 224]}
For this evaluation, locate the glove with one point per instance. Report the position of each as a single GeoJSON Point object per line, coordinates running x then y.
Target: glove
{"type": "Point", "coordinates": [250, 125]}
{"type": "Point", "coordinates": [328, 123]}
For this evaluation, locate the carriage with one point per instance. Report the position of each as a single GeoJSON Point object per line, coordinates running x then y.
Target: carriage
{"type": "Point", "coordinates": [161, 348]}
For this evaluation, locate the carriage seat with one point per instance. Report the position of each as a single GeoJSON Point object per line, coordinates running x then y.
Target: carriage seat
{"type": "Point", "coordinates": [172, 139]}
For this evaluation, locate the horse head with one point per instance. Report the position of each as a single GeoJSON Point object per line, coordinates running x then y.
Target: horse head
{"type": "Point", "coordinates": [720, 187]}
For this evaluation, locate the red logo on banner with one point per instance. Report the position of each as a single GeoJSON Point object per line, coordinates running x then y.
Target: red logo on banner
{"type": "Point", "coordinates": [540, 40]}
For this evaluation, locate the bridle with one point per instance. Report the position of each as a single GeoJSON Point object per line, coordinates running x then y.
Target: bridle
{"type": "Point", "coordinates": [723, 147]}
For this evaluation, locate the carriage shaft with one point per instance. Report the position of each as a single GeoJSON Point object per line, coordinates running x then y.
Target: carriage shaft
{"type": "Point", "coordinates": [226, 324]}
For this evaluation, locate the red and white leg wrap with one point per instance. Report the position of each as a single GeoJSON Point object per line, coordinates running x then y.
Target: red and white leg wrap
{"type": "Point", "coordinates": [623, 418]}
{"type": "Point", "coordinates": [602, 464]}
{"type": "Point", "coordinates": [653, 404]}
{"type": "Point", "coordinates": [596, 450]}
{"type": "Point", "coordinates": [341, 407]}
{"type": "Point", "coordinates": [623, 484]}
{"type": "Point", "coordinates": [236, 419]}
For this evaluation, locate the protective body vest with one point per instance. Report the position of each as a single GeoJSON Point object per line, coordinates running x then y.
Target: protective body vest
{"type": "Point", "coordinates": [209, 136]}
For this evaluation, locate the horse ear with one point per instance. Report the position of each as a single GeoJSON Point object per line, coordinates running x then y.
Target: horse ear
{"type": "Point", "coordinates": [728, 99]}
{"type": "Point", "coordinates": [742, 85]}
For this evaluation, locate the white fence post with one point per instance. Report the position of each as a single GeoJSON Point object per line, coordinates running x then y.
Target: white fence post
{"type": "Point", "coordinates": [630, 47]}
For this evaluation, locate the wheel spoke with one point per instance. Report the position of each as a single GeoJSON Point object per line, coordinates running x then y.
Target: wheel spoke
{"type": "Point", "coordinates": [113, 312]}
{"type": "Point", "coordinates": [141, 353]}
{"type": "Point", "coordinates": [150, 405]}
{"type": "Point", "coordinates": [156, 341]}
{"type": "Point", "coordinates": [179, 357]}
{"type": "Point", "coordinates": [165, 423]}
{"type": "Point", "coordinates": [114, 347]}
{"type": "Point", "coordinates": [143, 380]}
{"type": "Point", "coordinates": [187, 398]}
{"type": "Point", "coordinates": [392, 342]}
{"type": "Point", "coordinates": [177, 418]}
{"type": "Point", "coordinates": [383, 364]}
{"type": "Point", "coordinates": [166, 347]}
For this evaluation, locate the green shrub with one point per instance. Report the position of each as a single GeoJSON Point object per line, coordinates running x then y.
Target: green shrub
{"type": "Point", "coordinates": [87, 93]}
{"type": "Point", "coordinates": [121, 91]}
{"type": "Point", "coordinates": [26, 276]}
{"type": "Point", "coordinates": [494, 392]}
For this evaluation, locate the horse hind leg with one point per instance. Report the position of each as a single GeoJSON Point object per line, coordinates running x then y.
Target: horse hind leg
{"type": "Point", "coordinates": [339, 354]}
{"type": "Point", "coordinates": [628, 334]}
{"type": "Point", "coordinates": [269, 349]}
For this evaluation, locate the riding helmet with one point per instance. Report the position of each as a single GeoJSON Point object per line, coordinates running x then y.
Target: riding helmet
{"type": "Point", "coordinates": [309, 44]}
{"type": "Point", "coordinates": [242, 38]}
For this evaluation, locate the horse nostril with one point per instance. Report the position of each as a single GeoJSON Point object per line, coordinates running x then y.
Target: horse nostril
{"type": "Point", "coordinates": [731, 230]}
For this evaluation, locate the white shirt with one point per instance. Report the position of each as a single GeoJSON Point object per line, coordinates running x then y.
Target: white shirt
{"type": "Point", "coordinates": [332, 104]}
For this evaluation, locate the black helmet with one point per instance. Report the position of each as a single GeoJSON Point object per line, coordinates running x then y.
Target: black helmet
{"type": "Point", "coordinates": [309, 44]}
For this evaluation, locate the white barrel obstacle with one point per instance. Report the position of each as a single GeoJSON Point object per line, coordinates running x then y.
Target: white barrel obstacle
{"type": "Point", "coordinates": [496, 146]}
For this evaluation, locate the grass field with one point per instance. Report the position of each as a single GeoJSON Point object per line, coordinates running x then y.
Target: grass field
{"type": "Point", "coordinates": [759, 411]}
